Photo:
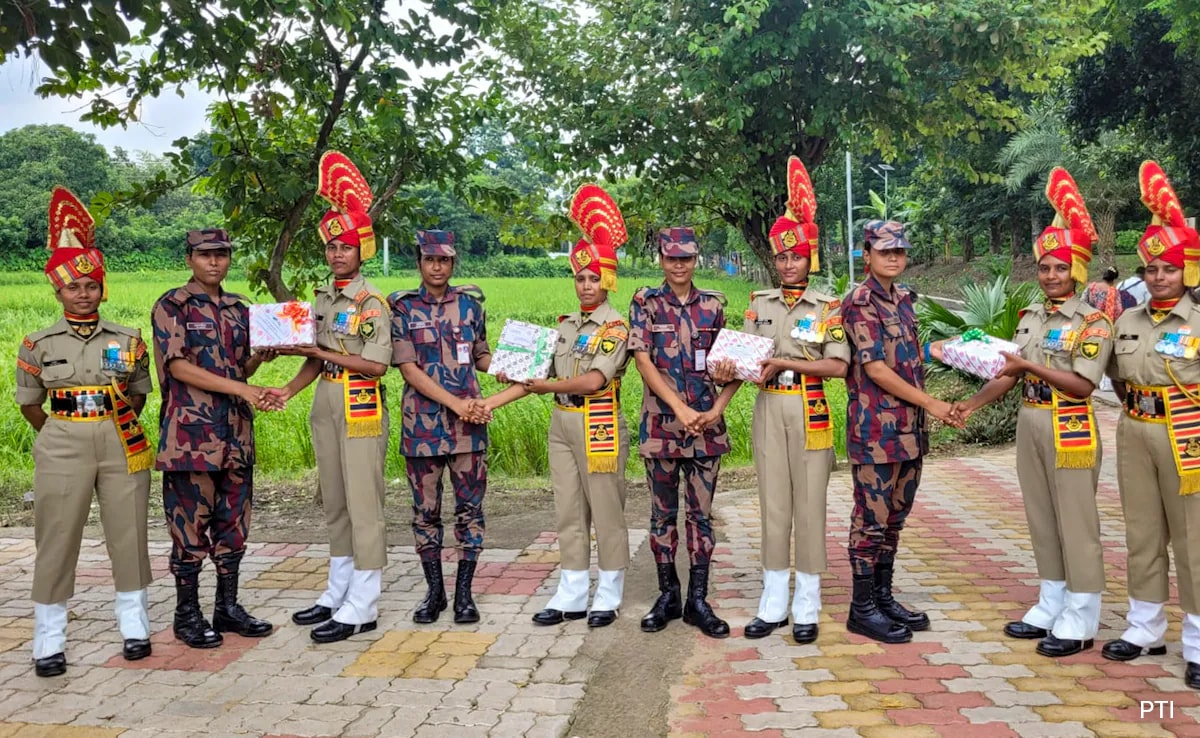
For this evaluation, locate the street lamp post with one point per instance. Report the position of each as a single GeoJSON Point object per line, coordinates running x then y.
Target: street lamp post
{"type": "Point", "coordinates": [882, 171]}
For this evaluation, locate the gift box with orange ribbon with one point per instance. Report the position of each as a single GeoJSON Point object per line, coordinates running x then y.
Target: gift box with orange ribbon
{"type": "Point", "coordinates": [282, 324]}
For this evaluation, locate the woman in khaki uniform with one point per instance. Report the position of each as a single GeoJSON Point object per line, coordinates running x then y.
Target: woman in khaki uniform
{"type": "Point", "coordinates": [349, 416]}
{"type": "Point", "coordinates": [792, 428]}
{"type": "Point", "coordinates": [1156, 372]}
{"type": "Point", "coordinates": [589, 440]}
{"type": "Point", "coordinates": [1064, 348]}
{"type": "Point", "coordinates": [96, 374]}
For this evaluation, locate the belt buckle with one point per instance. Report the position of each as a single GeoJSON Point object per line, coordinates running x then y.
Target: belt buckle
{"type": "Point", "coordinates": [1147, 405]}
{"type": "Point", "coordinates": [786, 378]}
{"type": "Point", "coordinates": [85, 402]}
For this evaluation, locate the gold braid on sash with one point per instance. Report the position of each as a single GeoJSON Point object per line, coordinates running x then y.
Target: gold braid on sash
{"type": "Point", "coordinates": [138, 454]}
{"type": "Point", "coordinates": [1075, 443]}
{"type": "Point", "coordinates": [1183, 426]}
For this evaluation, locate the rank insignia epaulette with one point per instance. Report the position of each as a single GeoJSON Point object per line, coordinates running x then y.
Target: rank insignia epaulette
{"type": "Point", "coordinates": [834, 304]}
{"type": "Point", "coordinates": [29, 344]}
{"type": "Point", "coordinates": [28, 368]}
{"type": "Point", "coordinates": [718, 296]}
{"type": "Point", "coordinates": [563, 317]}
{"type": "Point", "coordinates": [472, 290]}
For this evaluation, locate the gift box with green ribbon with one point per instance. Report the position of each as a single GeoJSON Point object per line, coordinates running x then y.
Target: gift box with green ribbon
{"type": "Point", "coordinates": [977, 353]}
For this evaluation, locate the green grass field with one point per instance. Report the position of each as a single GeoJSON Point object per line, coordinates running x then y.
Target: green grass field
{"type": "Point", "coordinates": [517, 435]}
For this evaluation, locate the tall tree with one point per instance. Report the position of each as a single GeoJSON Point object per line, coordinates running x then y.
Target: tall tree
{"type": "Point", "coordinates": [707, 100]}
{"type": "Point", "coordinates": [293, 79]}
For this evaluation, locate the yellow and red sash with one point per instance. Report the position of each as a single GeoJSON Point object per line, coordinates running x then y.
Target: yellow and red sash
{"type": "Point", "coordinates": [138, 454]}
{"type": "Point", "coordinates": [1074, 432]}
{"type": "Point", "coordinates": [600, 422]}
{"type": "Point", "coordinates": [1183, 425]}
{"type": "Point", "coordinates": [818, 428]}
{"type": "Point", "coordinates": [364, 411]}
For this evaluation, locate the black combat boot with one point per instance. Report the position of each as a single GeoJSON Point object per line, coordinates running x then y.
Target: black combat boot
{"type": "Point", "coordinates": [697, 611]}
{"type": "Point", "coordinates": [230, 617]}
{"type": "Point", "coordinates": [915, 620]}
{"type": "Point", "coordinates": [669, 605]}
{"type": "Point", "coordinates": [464, 606]}
{"type": "Point", "coordinates": [435, 599]}
{"type": "Point", "coordinates": [190, 625]}
{"type": "Point", "coordinates": [866, 619]}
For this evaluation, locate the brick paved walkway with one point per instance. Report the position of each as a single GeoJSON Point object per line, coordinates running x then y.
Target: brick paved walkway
{"type": "Point", "coordinates": [965, 559]}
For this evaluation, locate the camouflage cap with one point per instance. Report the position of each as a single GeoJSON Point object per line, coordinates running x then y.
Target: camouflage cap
{"type": "Point", "coordinates": [436, 243]}
{"type": "Point", "coordinates": [208, 239]}
{"type": "Point", "coordinates": [678, 242]}
{"type": "Point", "coordinates": [883, 235]}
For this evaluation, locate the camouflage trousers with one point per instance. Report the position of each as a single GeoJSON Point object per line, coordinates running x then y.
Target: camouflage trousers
{"type": "Point", "coordinates": [700, 479]}
{"type": "Point", "coordinates": [468, 478]}
{"type": "Point", "coordinates": [208, 514]}
{"type": "Point", "coordinates": [883, 497]}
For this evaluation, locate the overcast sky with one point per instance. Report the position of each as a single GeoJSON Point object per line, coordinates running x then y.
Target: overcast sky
{"type": "Point", "coordinates": [163, 120]}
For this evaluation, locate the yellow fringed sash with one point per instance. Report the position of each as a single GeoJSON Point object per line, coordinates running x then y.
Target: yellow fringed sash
{"type": "Point", "coordinates": [600, 418]}
{"type": "Point", "coordinates": [138, 454]}
{"type": "Point", "coordinates": [818, 429]}
{"type": "Point", "coordinates": [1183, 425]}
{"type": "Point", "coordinates": [364, 407]}
{"type": "Point", "coordinates": [1074, 432]}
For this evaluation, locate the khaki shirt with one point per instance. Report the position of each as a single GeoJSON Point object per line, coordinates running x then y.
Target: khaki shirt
{"type": "Point", "coordinates": [607, 353]}
{"type": "Point", "coordinates": [1089, 350]}
{"type": "Point", "coordinates": [795, 330]}
{"type": "Point", "coordinates": [370, 335]}
{"type": "Point", "coordinates": [1135, 358]}
{"type": "Point", "coordinates": [59, 358]}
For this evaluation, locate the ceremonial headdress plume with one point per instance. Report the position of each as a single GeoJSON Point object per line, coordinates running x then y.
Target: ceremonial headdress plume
{"type": "Point", "coordinates": [72, 242]}
{"type": "Point", "coordinates": [350, 196]}
{"type": "Point", "coordinates": [1168, 237]}
{"type": "Point", "coordinates": [599, 218]}
{"type": "Point", "coordinates": [796, 229]}
{"type": "Point", "coordinates": [1070, 236]}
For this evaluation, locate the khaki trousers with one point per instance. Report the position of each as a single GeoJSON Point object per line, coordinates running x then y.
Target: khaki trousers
{"type": "Point", "coordinates": [73, 459]}
{"type": "Point", "coordinates": [1156, 515]}
{"type": "Point", "coordinates": [792, 484]}
{"type": "Point", "coordinates": [1060, 507]}
{"type": "Point", "coordinates": [582, 500]}
{"type": "Point", "coordinates": [352, 483]}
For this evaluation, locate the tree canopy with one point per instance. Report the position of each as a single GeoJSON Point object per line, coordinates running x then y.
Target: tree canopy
{"type": "Point", "coordinates": [705, 101]}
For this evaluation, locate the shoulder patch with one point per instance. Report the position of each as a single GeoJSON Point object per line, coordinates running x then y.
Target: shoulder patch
{"type": "Point", "coordinates": [563, 317]}
{"type": "Point", "coordinates": [28, 368]}
{"type": "Point", "coordinates": [750, 315]}
{"type": "Point", "coordinates": [472, 291]}
{"type": "Point", "coordinates": [365, 295]}
{"type": "Point", "coordinates": [1093, 316]}
{"type": "Point", "coordinates": [1095, 331]}
{"type": "Point", "coordinates": [640, 295]}
{"type": "Point", "coordinates": [28, 343]}
{"type": "Point", "coordinates": [1022, 312]}
{"type": "Point", "coordinates": [834, 304]}
{"type": "Point", "coordinates": [615, 329]}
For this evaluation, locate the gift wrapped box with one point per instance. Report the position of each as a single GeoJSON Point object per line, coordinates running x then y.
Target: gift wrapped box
{"type": "Point", "coordinates": [281, 324]}
{"type": "Point", "coordinates": [745, 350]}
{"type": "Point", "coordinates": [524, 351]}
{"type": "Point", "coordinates": [977, 353]}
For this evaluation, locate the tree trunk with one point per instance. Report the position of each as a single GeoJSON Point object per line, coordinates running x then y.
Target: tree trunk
{"type": "Point", "coordinates": [1106, 228]}
{"type": "Point", "coordinates": [754, 230]}
{"type": "Point", "coordinates": [996, 236]}
{"type": "Point", "coordinates": [968, 247]}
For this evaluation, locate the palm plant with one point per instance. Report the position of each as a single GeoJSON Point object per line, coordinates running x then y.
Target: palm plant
{"type": "Point", "coordinates": [995, 308]}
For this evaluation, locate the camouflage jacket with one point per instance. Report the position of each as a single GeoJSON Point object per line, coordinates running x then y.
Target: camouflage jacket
{"type": "Point", "coordinates": [201, 430]}
{"type": "Point", "coordinates": [677, 337]}
{"type": "Point", "coordinates": [881, 325]}
{"type": "Point", "coordinates": [444, 338]}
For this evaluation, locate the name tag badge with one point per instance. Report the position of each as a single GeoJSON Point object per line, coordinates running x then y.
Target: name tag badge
{"type": "Point", "coordinates": [662, 328]}
{"type": "Point", "coordinates": [463, 352]}
{"type": "Point", "coordinates": [419, 324]}
{"type": "Point", "coordinates": [202, 326]}
{"type": "Point", "coordinates": [701, 360]}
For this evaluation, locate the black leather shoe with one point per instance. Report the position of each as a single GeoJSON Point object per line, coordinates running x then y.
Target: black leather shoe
{"type": "Point", "coordinates": [136, 649]}
{"type": "Point", "coordinates": [759, 628]}
{"type": "Point", "coordinates": [1025, 631]}
{"type": "Point", "coordinates": [1058, 647]}
{"type": "Point", "coordinates": [57, 664]}
{"type": "Point", "coordinates": [331, 631]}
{"type": "Point", "coordinates": [1122, 650]}
{"type": "Point", "coordinates": [1191, 677]}
{"type": "Point", "coordinates": [313, 615]}
{"type": "Point", "coordinates": [601, 618]}
{"type": "Point", "coordinates": [805, 633]}
{"type": "Point", "coordinates": [554, 617]}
